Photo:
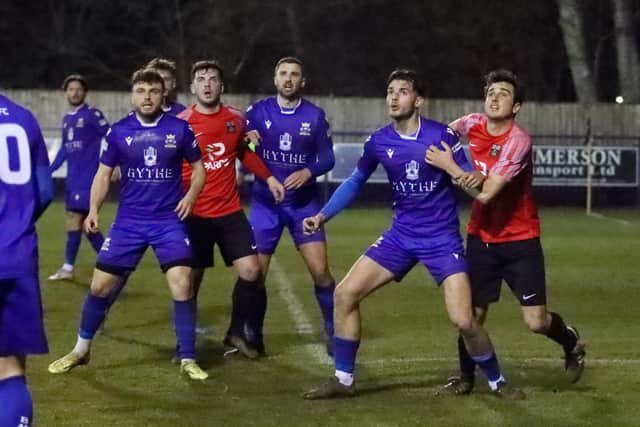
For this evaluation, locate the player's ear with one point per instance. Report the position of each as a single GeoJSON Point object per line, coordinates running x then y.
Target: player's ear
{"type": "Point", "coordinates": [516, 108]}
{"type": "Point", "coordinates": [222, 88]}
{"type": "Point", "coordinates": [419, 101]}
{"type": "Point", "coordinates": [303, 82]}
{"type": "Point", "coordinates": [193, 89]}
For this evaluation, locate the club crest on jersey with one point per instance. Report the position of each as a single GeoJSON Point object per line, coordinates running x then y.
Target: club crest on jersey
{"type": "Point", "coordinates": [128, 140]}
{"type": "Point", "coordinates": [305, 129]}
{"type": "Point", "coordinates": [495, 150]}
{"type": "Point", "coordinates": [70, 133]}
{"type": "Point", "coordinates": [150, 156]}
{"type": "Point", "coordinates": [267, 123]}
{"type": "Point", "coordinates": [80, 122]}
{"type": "Point", "coordinates": [285, 142]}
{"type": "Point", "coordinates": [231, 127]}
{"type": "Point", "coordinates": [412, 169]}
{"type": "Point", "coordinates": [170, 141]}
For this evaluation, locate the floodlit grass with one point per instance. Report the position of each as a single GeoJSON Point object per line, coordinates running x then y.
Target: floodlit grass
{"type": "Point", "coordinates": [407, 349]}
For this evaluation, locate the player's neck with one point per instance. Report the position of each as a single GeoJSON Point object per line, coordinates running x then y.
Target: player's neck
{"type": "Point", "coordinates": [75, 108]}
{"type": "Point", "coordinates": [288, 102]}
{"type": "Point", "coordinates": [407, 126]}
{"type": "Point", "coordinates": [497, 127]}
{"type": "Point", "coordinates": [208, 109]}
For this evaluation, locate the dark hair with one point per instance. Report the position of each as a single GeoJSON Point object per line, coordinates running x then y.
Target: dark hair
{"type": "Point", "coordinates": [508, 76]}
{"type": "Point", "coordinates": [162, 64]}
{"type": "Point", "coordinates": [290, 60]}
{"type": "Point", "coordinates": [146, 75]}
{"type": "Point", "coordinates": [408, 76]}
{"type": "Point", "coordinates": [205, 64]}
{"type": "Point", "coordinates": [75, 78]}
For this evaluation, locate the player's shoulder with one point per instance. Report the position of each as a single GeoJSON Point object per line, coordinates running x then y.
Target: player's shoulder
{"type": "Point", "coordinates": [310, 108]}
{"type": "Point", "coordinates": [233, 112]}
{"type": "Point", "coordinates": [186, 114]}
{"type": "Point", "coordinates": [519, 133]}
{"type": "Point", "coordinates": [12, 108]}
{"type": "Point", "coordinates": [95, 111]}
{"type": "Point", "coordinates": [261, 104]}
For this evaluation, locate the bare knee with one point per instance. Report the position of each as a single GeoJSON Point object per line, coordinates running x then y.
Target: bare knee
{"type": "Point", "coordinates": [345, 299]}
{"type": "Point", "coordinates": [466, 325]}
{"type": "Point", "coordinates": [248, 268]}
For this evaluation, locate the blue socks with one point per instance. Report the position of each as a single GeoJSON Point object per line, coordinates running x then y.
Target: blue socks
{"type": "Point", "coordinates": [94, 311]}
{"type": "Point", "coordinates": [73, 244]}
{"type": "Point", "coordinates": [184, 318]}
{"type": "Point", "coordinates": [324, 296]}
{"type": "Point", "coordinates": [488, 363]}
{"type": "Point", "coordinates": [96, 240]}
{"type": "Point", "coordinates": [17, 408]}
{"type": "Point", "coordinates": [345, 354]}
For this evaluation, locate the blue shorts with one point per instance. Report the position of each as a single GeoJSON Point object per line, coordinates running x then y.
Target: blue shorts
{"type": "Point", "coordinates": [398, 253]}
{"type": "Point", "coordinates": [21, 326]}
{"type": "Point", "coordinates": [77, 200]}
{"type": "Point", "coordinates": [127, 241]}
{"type": "Point", "coordinates": [269, 221]}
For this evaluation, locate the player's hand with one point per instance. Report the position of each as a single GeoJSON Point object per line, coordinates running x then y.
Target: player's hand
{"type": "Point", "coordinates": [471, 179]}
{"type": "Point", "coordinates": [312, 224]}
{"type": "Point", "coordinates": [252, 138]}
{"type": "Point", "coordinates": [277, 190]}
{"type": "Point", "coordinates": [184, 207]}
{"type": "Point", "coordinates": [297, 179]}
{"type": "Point", "coordinates": [439, 158]}
{"type": "Point", "coordinates": [91, 222]}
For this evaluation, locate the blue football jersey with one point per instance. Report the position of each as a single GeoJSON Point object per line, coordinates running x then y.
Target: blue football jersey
{"type": "Point", "coordinates": [292, 139]}
{"type": "Point", "coordinates": [424, 201]}
{"type": "Point", "coordinates": [150, 158]}
{"type": "Point", "coordinates": [174, 108]}
{"type": "Point", "coordinates": [82, 133]}
{"type": "Point", "coordinates": [22, 152]}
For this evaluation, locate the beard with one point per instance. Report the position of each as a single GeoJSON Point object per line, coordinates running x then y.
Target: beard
{"type": "Point", "coordinates": [151, 116]}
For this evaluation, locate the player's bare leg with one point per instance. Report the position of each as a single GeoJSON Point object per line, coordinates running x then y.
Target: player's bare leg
{"type": "Point", "coordinates": [93, 313]}
{"type": "Point", "coordinates": [457, 296]}
{"type": "Point", "coordinates": [364, 277]}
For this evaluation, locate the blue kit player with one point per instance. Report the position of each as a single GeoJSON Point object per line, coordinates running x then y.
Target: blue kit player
{"type": "Point", "coordinates": [149, 147]}
{"type": "Point", "coordinates": [425, 229]}
{"type": "Point", "coordinates": [294, 141]}
{"type": "Point", "coordinates": [167, 69]}
{"type": "Point", "coordinates": [83, 128]}
{"type": "Point", "coordinates": [26, 188]}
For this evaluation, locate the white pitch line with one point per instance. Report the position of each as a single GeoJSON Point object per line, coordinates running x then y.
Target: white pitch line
{"type": "Point", "coordinates": [303, 325]}
{"type": "Point", "coordinates": [619, 221]}
{"type": "Point", "coordinates": [524, 359]}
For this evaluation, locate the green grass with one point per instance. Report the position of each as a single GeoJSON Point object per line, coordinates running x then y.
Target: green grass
{"type": "Point", "coordinates": [407, 348]}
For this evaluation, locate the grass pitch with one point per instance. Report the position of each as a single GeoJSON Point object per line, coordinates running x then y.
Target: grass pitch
{"type": "Point", "coordinates": [407, 349]}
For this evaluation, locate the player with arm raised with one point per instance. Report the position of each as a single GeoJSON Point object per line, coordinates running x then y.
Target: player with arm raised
{"type": "Point", "coordinates": [83, 128]}
{"type": "Point", "coordinates": [149, 147]}
{"type": "Point", "coordinates": [425, 229]}
{"type": "Point", "coordinates": [503, 241]}
{"type": "Point", "coordinates": [26, 188]}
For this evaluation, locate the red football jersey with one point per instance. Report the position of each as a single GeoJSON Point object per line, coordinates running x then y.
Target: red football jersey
{"type": "Point", "coordinates": [220, 138]}
{"type": "Point", "coordinates": [513, 214]}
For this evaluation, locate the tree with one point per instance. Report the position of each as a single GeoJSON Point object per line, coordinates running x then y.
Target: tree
{"type": "Point", "coordinates": [627, 52]}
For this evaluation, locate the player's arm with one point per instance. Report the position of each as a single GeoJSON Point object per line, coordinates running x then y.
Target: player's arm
{"type": "Point", "coordinates": [340, 199]}
{"type": "Point", "coordinates": [254, 164]}
{"type": "Point", "coordinates": [346, 192]}
{"type": "Point", "coordinates": [325, 159]}
{"type": "Point", "coordinates": [42, 180]}
{"type": "Point", "coordinates": [99, 190]}
{"type": "Point", "coordinates": [198, 176]}
{"type": "Point", "coordinates": [61, 157]}
{"type": "Point", "coordinates": [452, 160]}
